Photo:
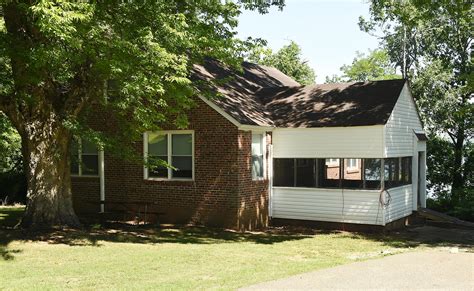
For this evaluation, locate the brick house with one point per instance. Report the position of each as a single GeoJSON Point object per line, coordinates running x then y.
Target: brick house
{"type": "Point", "coordinates": [270, 149]}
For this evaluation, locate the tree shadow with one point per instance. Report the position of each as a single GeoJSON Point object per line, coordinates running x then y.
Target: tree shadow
{"type": "Point", "coordinates": [118, 232]}
{"type": "Point", "coordinates": [422, 236]}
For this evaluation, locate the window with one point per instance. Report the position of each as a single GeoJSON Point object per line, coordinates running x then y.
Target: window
{"type": "Point", "coordinates": [305, 173]}
{"type": "Point", "coordinates": [332, 162]}
{"type": "Point", "coordinates": [391, 172]}
{"type": "Point", "coordinates": [397, 172]}
{"type": "Point", "coordinates": [372, 173]}
{"type": "Point", "coordinates": [284, 172]}
{"type": "Point", "coordinates": [84, 158]}
{"type": "Point", "coordinates": [169, 148]}
{"type": "Point", "coordinates": [352, 174]}
{"type": "Point", "coordinates": [331, 174]}
{"type": "Point", "coordinates": [406, 170]}
{"type": "Point", "coordinates": [352, 164]}
{"type": "Point", "coordinates": [257, 156]}
{"type": "Point", "coordinates": [327, 173]}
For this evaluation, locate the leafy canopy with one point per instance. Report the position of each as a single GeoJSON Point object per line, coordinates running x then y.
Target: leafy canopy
{"type": "Point", "coordinates": [431, 42]}
{"type": "Point", "coordinates": [57, 59]}
{"type": "Point", "coordinates": [375, 65]}
{"type": "Point", "coordinates": [288, 60]}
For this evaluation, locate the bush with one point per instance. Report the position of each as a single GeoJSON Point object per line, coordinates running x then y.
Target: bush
{"type": "Point", "coordinates": [464, 209]}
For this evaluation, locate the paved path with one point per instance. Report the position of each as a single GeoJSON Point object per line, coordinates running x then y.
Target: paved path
{"type": "Point", "coordinates": [433, 270]}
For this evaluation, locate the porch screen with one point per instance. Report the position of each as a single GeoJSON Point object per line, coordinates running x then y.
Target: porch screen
{"type": "Point", "coordinates": [327, 173]}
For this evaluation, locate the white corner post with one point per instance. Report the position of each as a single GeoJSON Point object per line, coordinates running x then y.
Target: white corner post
{"type": "Point", "coordinates": [102, 180]}
{"type": "Point", "coordinates": [270, 178]}
{"type": "Point", "coordinates": [422, 191]}
{"type": "Point", "coordinates": [414, 174]}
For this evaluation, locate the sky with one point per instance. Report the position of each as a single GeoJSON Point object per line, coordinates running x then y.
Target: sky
{"type": "Point", "coordinates": [327, 31]}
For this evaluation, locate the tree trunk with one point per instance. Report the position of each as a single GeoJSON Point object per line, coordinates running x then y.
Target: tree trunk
{"type": "Point", "coordinates": [458, 178]}
{"type": "Point", "coordinates": [45, 146]}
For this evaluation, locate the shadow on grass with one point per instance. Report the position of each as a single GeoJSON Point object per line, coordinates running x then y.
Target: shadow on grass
{"type": "Point", "coordinates": [123, 233]}
{"type": "Point", "coordinates": [421, 235]}
{"type": "Point", "coordinates": [93, 235]}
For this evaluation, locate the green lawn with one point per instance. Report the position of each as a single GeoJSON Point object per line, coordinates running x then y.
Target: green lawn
{"type": "Point", "coordinates": [174, 258]}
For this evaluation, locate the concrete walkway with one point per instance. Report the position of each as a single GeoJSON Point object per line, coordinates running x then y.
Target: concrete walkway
{"type": "Point", "coordinates": [433, 270]}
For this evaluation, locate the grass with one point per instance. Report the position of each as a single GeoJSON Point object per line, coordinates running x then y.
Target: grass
{"type": "Point", "coordinates": [171, 258]}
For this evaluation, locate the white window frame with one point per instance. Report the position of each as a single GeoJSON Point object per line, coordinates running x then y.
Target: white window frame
{"type": "Point", "coordinates": [332, 162]}
{"type": "Point", "coordinates": [100, 161]}
{"type": "Point", "coordinates": [169, 134]}
{"type": "Point", "coordinates": [264, 152]}
{"type": "Point", "coordinates": [355, 167]}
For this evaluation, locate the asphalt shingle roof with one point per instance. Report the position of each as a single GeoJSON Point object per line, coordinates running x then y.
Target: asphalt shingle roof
{"type": "Point", "coordinates": [264, 96]}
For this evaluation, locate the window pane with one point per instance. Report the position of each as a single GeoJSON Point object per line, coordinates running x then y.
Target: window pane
{"type": "Point", "coordinates": [159, 171]}
{"type": "Point", "coordinates": [372, 171]}
{"type": "Point", "coordinates": [90, 165]}
{"type": "Point", "coordinates": [158, 145]}
{"type": "Point", "coordinates": [305, 173]}
{"type": "Point", "coordinates": [88, 147]}
{"type": "Point", "coordinates": [406, 170]}
{"type": "Point", "coordinates": [257, 146]}
{"type": "Point", "coordinates": [257, 166]}
{"type": "Point", "coordinates": [352, 174]}
{"type": "Point", "coordinates": [331, 177]}
{"type": "Point", "coordinates": [283, 172]}
{"type": "Point", "coordinates": [182, 144]}
{"type": "Point", "coordinates": [184, 166]}
{"type": "Point", "coordinates": [392, 172]}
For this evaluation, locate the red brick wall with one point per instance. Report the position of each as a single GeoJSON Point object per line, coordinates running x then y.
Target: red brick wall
{"type": "Point", "coordinates": [253, 194]}
{"type": "Point", "coordinates": [222, 194]}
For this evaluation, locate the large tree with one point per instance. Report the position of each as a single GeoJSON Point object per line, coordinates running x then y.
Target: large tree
{"type": "Point", "coordinates": [56, 58]}
{"type": "Point", "coordinates": [376, 65]}
{"type": "Point", "coordinates": [431, 42]}
{"type": "Point", "coordinates": [288, 59]}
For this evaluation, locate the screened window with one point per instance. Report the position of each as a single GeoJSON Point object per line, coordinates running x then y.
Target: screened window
{"type": "Point", "coordinates": [257, 156]}
{"type": "Point", "coordinates": [406, 170]}
{"type": "Point", "coordinates": [353, 164]}
{"type": "Point", "coordinates": [169, 148]}
{"type": "Point", "coordinates": [305, 173]}
{"type": "Point", "coordinates": [372, 173]}
{"type": "Point", "coordinates": [352, 175]}
{"type": "Point", "coordinates": [397, 172]}
{"type": "Point", "coordinates": [284, 172]}
{"type": "Point", "coordinates": [392, 172]}
{"type": "Point", "coordinates": [331, 177]}
{"type": "Point", "coordinates": [328, 173]}
{"type": "Point", "coordinates": [84, 158]}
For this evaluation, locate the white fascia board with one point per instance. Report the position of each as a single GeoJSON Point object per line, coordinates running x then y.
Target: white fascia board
{"type": "Point", "coordinates": [256, 128]}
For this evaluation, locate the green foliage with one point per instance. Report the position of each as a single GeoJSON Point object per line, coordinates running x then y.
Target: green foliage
{"type": "Point", "coordinates": [10, 147]}
{"type": "Point", "coordinates": [431, 42]}
{"type": "Point", "coordinates": [439, 180]}
{"type": "Point", "coordinates": [66, 52]}
{"type": "Point", "coordinates": [375, 65]}
{"type": "Point", "coordinates": [58, 56]}
{"type": "Point", "coordinates": [12, 178]}
{"type": "Point", "coordinates": [288, 60]}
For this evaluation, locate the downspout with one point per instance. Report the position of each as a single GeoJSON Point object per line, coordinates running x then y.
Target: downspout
{"type": "Point", "coordinates": [102, 181]}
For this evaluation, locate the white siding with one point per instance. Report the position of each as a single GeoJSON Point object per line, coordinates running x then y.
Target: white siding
{"type": "Point", "coordinates": [335, 205]}
{"type": "Point", "coordinates": [400, 204]}
{"type": "Point", "coordinates": [399, 136]}
{"type": "Point", "coordinates": [328, 142]}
